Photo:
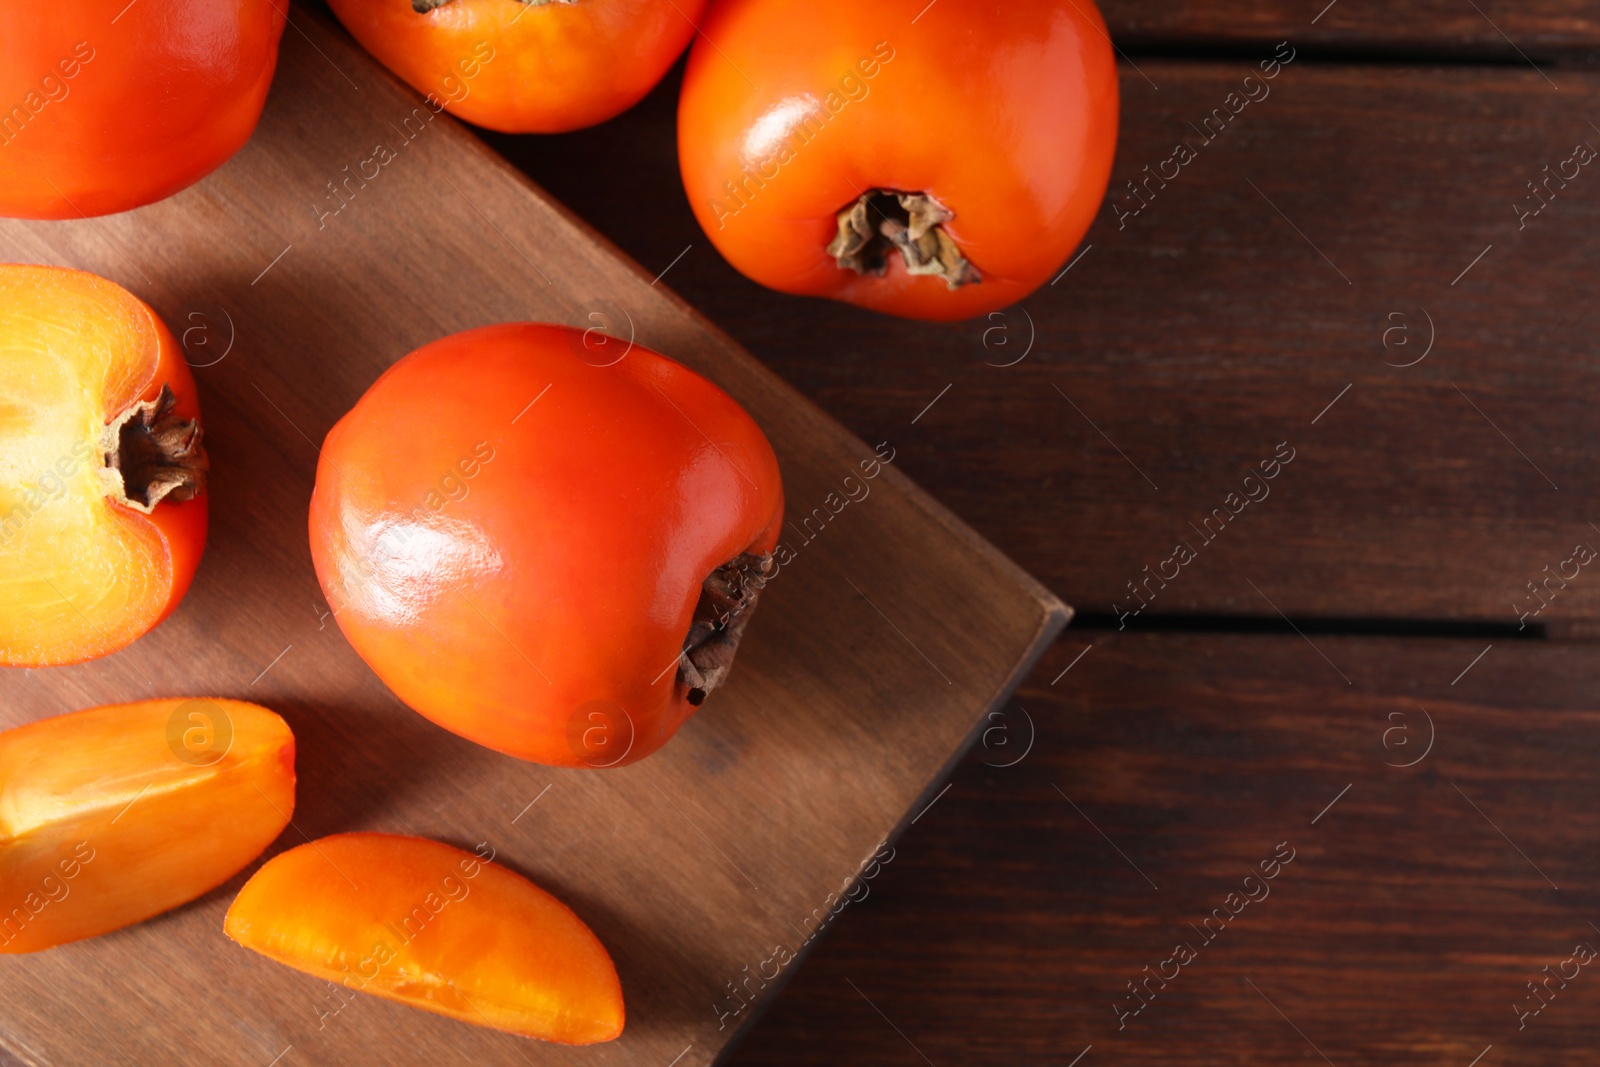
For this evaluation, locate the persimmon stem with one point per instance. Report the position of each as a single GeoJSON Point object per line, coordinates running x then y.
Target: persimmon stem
{"type": "Point", "coordinates": [153, 455]}
{"type": "Point", "coordinates": [883, 221]}
{"type": "Point", "coordinates": [727, 600]}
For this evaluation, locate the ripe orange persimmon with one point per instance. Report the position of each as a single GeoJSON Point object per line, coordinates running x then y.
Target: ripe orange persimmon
{"type": "Point", "coordinates": [104, 107]}
{"type": "Point", "coordinates": [546, 540]}
{"type": "Point", "coordinates": [526, 66]}
{"type": "Point", "coordinates": [432, 926]}
{"type": "Point", "coordinates": [936, 161]}
{"type": "Point", "coordinates": [111, 815]}
{"type": "Point", "coordinates": [102, 474]}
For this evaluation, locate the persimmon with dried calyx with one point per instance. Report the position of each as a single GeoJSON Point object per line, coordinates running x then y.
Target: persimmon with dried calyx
{"type": "Point", "coordinates": [102, 471]}
{"type": "Point", "coordinates": [435, 927]}
{"type": "Point", "coordinates": [931, 161]}
{"type": "Point", "coordinates": [526, 66]}
{"type": "Point", "coordinates": [114, 814]}
{"type": "Point", "coordinates": [549, 541]}
{"type": "Point", "coordinates": [107, 110]}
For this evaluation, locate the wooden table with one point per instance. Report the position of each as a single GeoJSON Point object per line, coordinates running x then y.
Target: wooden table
{"type": "Point", "coordinates": [1343, 270]}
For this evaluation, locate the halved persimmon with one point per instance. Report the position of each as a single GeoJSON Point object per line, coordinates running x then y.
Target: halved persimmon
{"type": "Point", "coordinates": [435, 927]}
{"type": "Point", "coordinates": [102, 474]}
{"type": "Point", "coordinates": [111, 815]}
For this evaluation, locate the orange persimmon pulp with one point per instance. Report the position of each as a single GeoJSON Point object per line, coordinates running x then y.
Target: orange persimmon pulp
{"type": "Point", "coordinates": [111, 815]}
{"type": "Point", "coordinates": [434, 927]}
{"type": "Point", "coordinates": [100, 531]}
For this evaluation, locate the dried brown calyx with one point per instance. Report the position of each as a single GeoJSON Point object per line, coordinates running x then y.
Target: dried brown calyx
{"type": "Point", "coordinates": [152, 455]}
{"type": "Point", "coordinates": [881, 222]}
{"type": "Point", "coordinates": [727, 600]}
{"type": "Point", "coordinates": [422, 7]}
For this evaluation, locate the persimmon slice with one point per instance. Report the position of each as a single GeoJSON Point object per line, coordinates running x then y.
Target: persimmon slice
{"type": "Point", "coordinates": [102, 512]}
{"type": "Point", "coordinates": [435, 927]}
{"type": "Point", "coordinates": [111, 815]}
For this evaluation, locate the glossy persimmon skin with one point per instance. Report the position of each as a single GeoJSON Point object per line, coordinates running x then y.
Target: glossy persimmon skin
{"type": "Point", "coordinates": [120, 108]}
{"type": "Point", "coordinates": [82, 583]}
{"type": "Point", "coordinates": [524, 68]}
{"type": "Point", "coordinates": [1005, 113]}
{"type": "Point", "coordinates": [114, 814]}
{"type": "Point", "coordinates": [436, 928]}
{"type": "Point", "coordinates": [514, 537]}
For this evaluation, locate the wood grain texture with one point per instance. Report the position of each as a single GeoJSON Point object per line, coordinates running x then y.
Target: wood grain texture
{"type": "Point", "coordinates": [1223, 319]}
{"type": "Point", "coordinates": [873, 657]}
{"type": "Point", "coordinates": [1403, 931]}
{"type": "Point", "coordinates": [1504, 30]}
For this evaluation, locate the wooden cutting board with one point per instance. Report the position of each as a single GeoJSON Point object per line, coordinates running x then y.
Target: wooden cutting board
{"type": "Point", "coordinates": [295, 275]}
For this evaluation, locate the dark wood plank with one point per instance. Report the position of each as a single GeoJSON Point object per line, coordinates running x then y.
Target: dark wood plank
{"type": "Point", "coordinates": [876, 652]}
{"type": "Point", "coordinates": [1008, 923]}
{"type": "Point", "coordinates": [1492, 29]}
{"type": "Point", "coordinates": [1335, 214]}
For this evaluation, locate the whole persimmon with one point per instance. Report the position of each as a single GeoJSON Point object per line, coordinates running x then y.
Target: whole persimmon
{"type": "Point", "coordinates": [526, 66]}
{"type": "Point", "coordinates": [548, 541]}
{"type": "Point", "coordinates": [436, 928]}
{"type": "Point", "coordinates": [108, 107]}
{"type": "Point", "coordinates": [935, 161]}
{"type": "Point", "coordinates": [102, 471]}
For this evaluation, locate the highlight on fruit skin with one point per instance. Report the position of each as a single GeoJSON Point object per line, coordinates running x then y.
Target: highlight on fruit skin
{"type": "Point", "coordinates": [102, 471]}
{"type": "Point", "coordinates": [114, 814]}
{"type": "Point", "coordinates": [436, 928]}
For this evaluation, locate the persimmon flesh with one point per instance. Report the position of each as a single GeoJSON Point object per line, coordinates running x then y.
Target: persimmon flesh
{"type": "Point", "coordinates": [434, 927]}
{"type": "Point", "coordinates": [102, 471]}
{"type": "Point", "coordinates": [546, 540]}
{"type": "Point", "coordinates": [114, 814]}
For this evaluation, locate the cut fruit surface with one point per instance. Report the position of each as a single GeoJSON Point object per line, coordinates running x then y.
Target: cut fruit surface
{"type": "Point", "coordinates": [435, 927]}
{"type": "Point", "coordinates": [102, 505]}
{"type": "Point", "coordinates": [114, 814]}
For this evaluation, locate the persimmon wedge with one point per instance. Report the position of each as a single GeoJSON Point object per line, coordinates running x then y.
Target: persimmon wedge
{"type": "Point", "coordinates": [434, 927]}
{"type": "Point", "coordinates": [114, 814]}
{"type": "Point", "coordinates": [102, 471]}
